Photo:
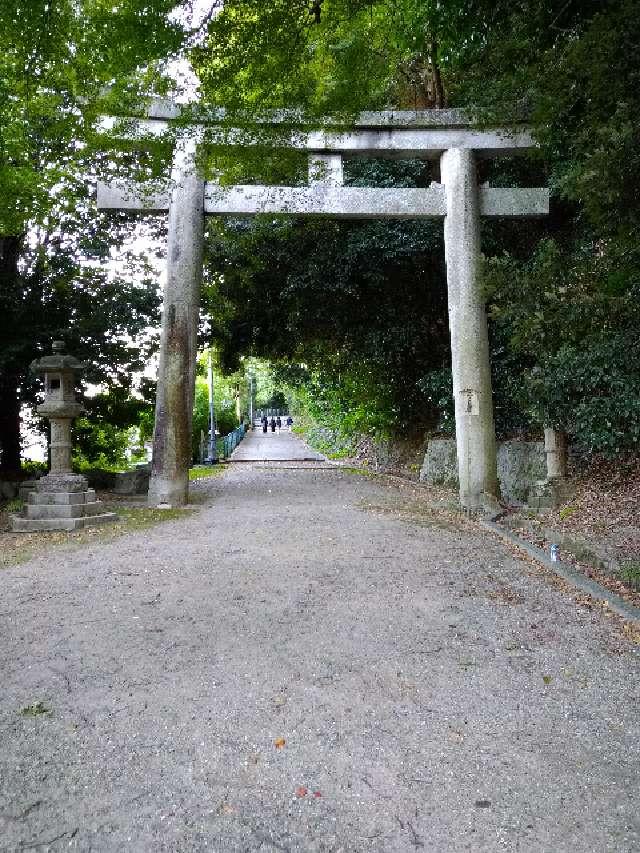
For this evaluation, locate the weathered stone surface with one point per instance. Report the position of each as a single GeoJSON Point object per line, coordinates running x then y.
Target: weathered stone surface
{"type": "Point", "coordinates": [61, 497]}
{"type": "Point", "coordinates": [520, 464]}
{"type": "Point", "coordinates": [327, 198]}
{"type": "Point", "coordinates": [432, 134]}
{"type": "Point", "coordinates": [440, 466]}
{"type": "Point", "coordinates": [133, 482]}
{"type": "Point", "coordinates": [325, 169]}
{"type": "Point", "coordinates": [555, 446]}
{"type": "Point", "coordinates": [158, 110]}
{"type": "Point", "coordinates": [60, 502]}
{"type": "Point", "coordinates": [402, 134]}
{"type": "Point", "coordinates": [550, 493]}
{"type": "Point", "coordinates": [62, 482]}
{"type": "Point", "coordinates": [27, 488]}
{"type": "Point", "coordinates": [60, 403]}
{"type": "Point", "coordinates": [122, 195]}
{"type": "Point", "coordinates": [59, 510]}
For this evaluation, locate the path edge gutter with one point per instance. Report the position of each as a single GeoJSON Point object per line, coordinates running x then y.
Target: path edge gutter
{"type": "Point", "coordinates": [614, 602]}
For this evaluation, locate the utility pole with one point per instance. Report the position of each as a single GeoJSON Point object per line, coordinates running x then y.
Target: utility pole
{"type": "Point", "coordinates": [212, 457]}
{"type": "Point", "coordinates": [251, 400]}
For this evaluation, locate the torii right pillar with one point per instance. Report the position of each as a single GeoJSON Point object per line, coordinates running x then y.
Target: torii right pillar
{"type": "Point", "coordinates": [470, 362]}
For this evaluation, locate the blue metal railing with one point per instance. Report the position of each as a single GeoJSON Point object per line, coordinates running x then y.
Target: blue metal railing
{"type": "Point", "coordinates": [229, 442]}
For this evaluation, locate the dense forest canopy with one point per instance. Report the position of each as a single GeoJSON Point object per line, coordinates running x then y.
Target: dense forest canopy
{"type": "Point", "coordinates": [354, 313]}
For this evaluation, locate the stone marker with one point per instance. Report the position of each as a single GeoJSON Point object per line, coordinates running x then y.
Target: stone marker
{"type": "Point", "coordinates": [555, 489]}
{"type": "Point", "coordinates": [62, 499]}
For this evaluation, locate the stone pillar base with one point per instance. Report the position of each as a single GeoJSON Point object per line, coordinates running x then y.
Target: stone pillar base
{"type": "Point", "coordinates": [550, 493]}
{"type": "Point", "coordinates": [168, 492]}
{"type": "Point", "coordinates": [60, 502]}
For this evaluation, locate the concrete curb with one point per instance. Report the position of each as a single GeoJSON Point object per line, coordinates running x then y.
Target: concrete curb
{"type": "Point", "coordinates": [576, 579]}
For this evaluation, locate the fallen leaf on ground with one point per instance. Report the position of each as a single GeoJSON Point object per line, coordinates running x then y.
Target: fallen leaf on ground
{"type": "Point", "coordinates": [279, 742]}
{"type": "Point", "coordinates": [301, 791]}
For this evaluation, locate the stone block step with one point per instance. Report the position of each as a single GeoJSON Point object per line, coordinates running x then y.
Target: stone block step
{"type": "Point", "coordinates": [32, 525]}
{"type": "Point", "coordinates": [73, 510]}
{"type": "Point", "coordinates": [42, 498]}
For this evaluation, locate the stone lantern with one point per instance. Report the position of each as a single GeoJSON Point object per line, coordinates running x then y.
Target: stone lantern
{"type": "Point", "coordinates": [62, 500]}
{"type": "Point", "coordinates": [60, 404]}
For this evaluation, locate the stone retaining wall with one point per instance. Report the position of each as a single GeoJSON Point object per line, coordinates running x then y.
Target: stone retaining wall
{"type": "Point", "coordinates": [520, 465]}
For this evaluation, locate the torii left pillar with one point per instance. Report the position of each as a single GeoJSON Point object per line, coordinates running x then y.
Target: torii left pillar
{"type": "Point", "coordinates": [169, 484]}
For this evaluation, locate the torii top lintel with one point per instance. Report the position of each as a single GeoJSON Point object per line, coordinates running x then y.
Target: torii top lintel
{"type": "Point", "coordinates": [390, 133]}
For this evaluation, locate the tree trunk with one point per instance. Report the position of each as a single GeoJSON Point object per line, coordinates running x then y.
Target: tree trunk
{"type": "Point", "coordinates": [439, 97]}
{"type": "Point", "coordinates": [9, 382]}
{"type": "Point", "coordinates": [9, 427]}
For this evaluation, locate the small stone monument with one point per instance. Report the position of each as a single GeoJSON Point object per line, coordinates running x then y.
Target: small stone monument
{"type": "Point", "coordinates": [556, 489]}
{"type": "Point", "coordinates": [62, 499]}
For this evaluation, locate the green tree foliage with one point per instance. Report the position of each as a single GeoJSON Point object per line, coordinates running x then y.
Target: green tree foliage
{"type": "Point", "coordinates": [572, 321]}
{"type": "Point", "coordinates": [63, 63]}
{"type": "Point", "coordinates": [332, 56]}
{"type": "Point", "coordinates": [102, 436]}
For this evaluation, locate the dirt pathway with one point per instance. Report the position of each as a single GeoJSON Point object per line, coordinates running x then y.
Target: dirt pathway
{"type": "Point", "coordinates": [302, 665]}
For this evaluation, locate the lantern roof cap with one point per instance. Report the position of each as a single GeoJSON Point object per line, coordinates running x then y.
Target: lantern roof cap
{"type": "Point", "coordinates": [57, 361]}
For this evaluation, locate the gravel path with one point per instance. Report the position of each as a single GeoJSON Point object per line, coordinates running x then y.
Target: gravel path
{"type": "Point", "coordinates": [432, 691]}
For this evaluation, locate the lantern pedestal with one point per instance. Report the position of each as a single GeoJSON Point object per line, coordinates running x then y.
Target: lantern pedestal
{"type": "Point", "coordinates": [62, 500]}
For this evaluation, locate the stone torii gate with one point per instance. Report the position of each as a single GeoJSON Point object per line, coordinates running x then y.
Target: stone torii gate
{"type": "Point", "coordinates": [446, 135]}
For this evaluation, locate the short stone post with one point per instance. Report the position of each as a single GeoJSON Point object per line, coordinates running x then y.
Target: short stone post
{"type": "Point", "coordinates": [555, 447]}
{"type": "Point", "coordinates": [556, 489]}
{"type": "Point", "coordinates": [62, 499]}
{"type": "Point", "coordinates": [475, 433]}
{"type": "Point", "coordinates": [169, 482]}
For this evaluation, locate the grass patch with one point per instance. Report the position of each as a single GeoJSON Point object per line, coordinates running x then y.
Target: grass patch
{"type": "Point", "coordinates": [362, 472]}
{"type": "Point", "coordinates": [339, 454]}
{"type": "Point", "coordinates": [139, 518]}
{"type": "Point", "coordinates": [17, 548]}
{"type": "Point", "coordinates": [14, 505]}
{"type": "Point", "coordinates": [198, 472]}
{"type": "Point", "coordinates": [630, 574]}
{"type": "Point", "coordinates": [35, 710]}
{"type": "Point", "coordinates": [566, 512]}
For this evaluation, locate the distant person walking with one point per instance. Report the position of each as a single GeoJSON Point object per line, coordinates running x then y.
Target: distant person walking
{"type": "Point", "coordinates": [265, 423]}
{"type": "Point", "coordinates": [273, 424]}
{"type": "Point", "coordinates": [279, 423]}
{"type": "Point", "coordinates": [289, 422]}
